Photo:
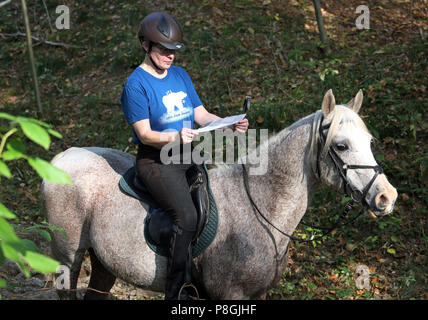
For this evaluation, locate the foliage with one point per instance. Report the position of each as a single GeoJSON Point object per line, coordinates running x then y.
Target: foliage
{"type": "Point", "coordinates": [23, 251]}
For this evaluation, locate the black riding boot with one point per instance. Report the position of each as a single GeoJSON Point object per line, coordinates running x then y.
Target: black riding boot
{"type": "Point", "coordinates": [179, 264]}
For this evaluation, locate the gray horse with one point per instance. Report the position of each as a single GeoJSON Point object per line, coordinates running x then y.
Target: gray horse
{"type": "Point", "coordinates": [248, 255]}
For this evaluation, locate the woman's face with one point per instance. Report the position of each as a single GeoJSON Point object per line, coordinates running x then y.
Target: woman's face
{"type": "Point", "coordinates": [162, 56]}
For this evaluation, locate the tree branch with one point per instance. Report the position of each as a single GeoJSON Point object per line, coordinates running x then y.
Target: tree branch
{"type": "Point", "coordinates": [52, 43]}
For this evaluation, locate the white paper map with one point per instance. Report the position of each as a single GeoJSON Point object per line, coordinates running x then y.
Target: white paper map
{"type": "Point", "coordinates": [222, 122]}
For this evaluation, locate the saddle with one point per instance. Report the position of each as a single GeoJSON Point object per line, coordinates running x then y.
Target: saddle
{"type": "Point", "coordinates": [158, 225]}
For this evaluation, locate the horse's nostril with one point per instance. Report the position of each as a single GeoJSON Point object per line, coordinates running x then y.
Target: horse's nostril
{"type": "Point", "coordinates": [382, 201]}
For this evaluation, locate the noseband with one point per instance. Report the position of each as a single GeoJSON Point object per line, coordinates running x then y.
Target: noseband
{"type": "Point", "coordinates": [358, 196]}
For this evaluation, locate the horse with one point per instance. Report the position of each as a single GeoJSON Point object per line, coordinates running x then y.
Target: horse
{"type": "Point", "coordinates": [248, 255]}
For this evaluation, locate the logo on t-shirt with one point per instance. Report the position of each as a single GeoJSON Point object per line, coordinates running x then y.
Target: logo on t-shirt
{"type": "Point", "coordinates": [176, 107]}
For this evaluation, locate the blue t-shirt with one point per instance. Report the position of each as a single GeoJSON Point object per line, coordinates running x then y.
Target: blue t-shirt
{"type": "Point", "coordinates": [167, 102]}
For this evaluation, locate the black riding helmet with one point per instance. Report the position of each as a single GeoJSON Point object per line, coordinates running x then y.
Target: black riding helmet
{"type": "Point", "coordinates": [159, 27]}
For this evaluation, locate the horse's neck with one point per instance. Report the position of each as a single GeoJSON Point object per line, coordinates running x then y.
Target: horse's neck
{"type": "Point", "coordinates": [285, 191]}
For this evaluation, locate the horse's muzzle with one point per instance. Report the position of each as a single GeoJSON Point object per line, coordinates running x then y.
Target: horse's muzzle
{"type": "Point", "coordinates": [383, 203]}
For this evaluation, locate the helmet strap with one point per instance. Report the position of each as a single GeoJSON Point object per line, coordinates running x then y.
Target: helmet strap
{"type": "Point", "coordinates": [150, 57]}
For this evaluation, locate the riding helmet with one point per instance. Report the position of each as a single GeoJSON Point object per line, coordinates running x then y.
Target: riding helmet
{"type": "Point", "coordinates": [159, 27]}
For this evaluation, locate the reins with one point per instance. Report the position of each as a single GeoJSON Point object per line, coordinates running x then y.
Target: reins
{"type": "Point", "coordinates": [357, 196]}
{"type": "Point", "coordinates": [346, 210]}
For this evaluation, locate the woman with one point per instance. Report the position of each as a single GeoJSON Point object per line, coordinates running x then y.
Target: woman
{"type": "Point", "coordinates": [160, 102]}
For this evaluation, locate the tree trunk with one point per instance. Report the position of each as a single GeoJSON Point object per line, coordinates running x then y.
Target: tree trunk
{"type": "Point", "coordinates": [323, 34]}
{"type": "Point", "coordinates": [30, 52]}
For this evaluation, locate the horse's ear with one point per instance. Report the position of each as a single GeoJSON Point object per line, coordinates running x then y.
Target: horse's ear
{"type": "Point", "coordinates": [328, 103]}
{"type": "Point", "coordinates": [355, 103]}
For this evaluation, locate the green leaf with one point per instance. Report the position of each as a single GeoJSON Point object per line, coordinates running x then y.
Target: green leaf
{"type": "Point", "coordinates": [345, 199]}
{"type": "Point", "coordinates": [5, 213]}
{"type": "Point", "coordinates": [60, 230]}
{"type": "Point", "coordinates": [11, 155]}
{"type": "Point", "coordinates": [16, 145]}
{"type": "Point", "coordinates": [41, 263]}
{"type": "Point", "coordinates": [7, 116]}
{"type": "Point", "coordinates": [4, 170]}
{"type": "Point", "coordinates": [390, 250]}
{"type": "Point", "coordinates": [7, 234]}
{"type": "Point", "coordinates": [45, 234]}
{"type": "Point", "coordinates": [55, 133]}
{"type": "Point", "coordinates": [48, 171]}
{"type": "Point", "coordinates": [36, 121]}
{"type": "Point", "coordinates": [13, 251]}
{"type": "Point", "coordinates": [36, 133]}
{"type": "Point", "coordinates": [28, 245]}
{"type": "Point", "coordinates": [394, 239]}
{"type": "Point", "coordinates": [380, 157]}
{"type": "Point", "coordinates": [2, 283]}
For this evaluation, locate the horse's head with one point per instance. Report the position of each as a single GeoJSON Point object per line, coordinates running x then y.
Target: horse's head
{"type": "Point", "coordinates": [344, 159]}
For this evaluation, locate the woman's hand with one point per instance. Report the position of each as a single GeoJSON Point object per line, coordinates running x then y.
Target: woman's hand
{"type": "Point", "coordinates": [186, 135]}
{"type": "Point", "coordinates": [241, 126]}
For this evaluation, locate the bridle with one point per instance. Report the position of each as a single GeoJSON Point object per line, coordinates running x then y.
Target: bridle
{"type": "Point", "coordinates": [357, 196]}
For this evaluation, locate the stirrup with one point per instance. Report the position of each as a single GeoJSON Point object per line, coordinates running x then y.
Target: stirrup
{"type": "Point", "coordinates": [191, 285]}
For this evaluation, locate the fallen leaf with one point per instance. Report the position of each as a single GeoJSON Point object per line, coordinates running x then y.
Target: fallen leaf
{"type": "Point", "coordinates": [390, 157]}
{"type": "Point", "coordinates": [12, 99]}
{"type": "Point", "coordinates": [405, 196]}
{"type": "Point", "coordinates": [333, 277]}
{"type": "Point", "coordinates": [218, 11]}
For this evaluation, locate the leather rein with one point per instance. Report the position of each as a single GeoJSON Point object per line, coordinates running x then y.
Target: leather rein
{"type": "Point", "coordinates": [356, 195]}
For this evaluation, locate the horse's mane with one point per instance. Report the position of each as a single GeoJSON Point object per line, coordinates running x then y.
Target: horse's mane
{"type": "Point", "coordinates": [341, 117]}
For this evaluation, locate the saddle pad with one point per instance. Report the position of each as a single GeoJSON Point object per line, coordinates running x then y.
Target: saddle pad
{"type": "Point", "coordinates": [207, 235]}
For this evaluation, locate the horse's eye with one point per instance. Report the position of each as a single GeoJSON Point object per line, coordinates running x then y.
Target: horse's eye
{"type": "Point", "coordinates": [341, 147]}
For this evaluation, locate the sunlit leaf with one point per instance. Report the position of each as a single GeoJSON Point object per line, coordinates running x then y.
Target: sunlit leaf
{"type": "Point", "coordinates": [7, 234]}
{"type": "Point", "coordinates": [48, 171]}
{"type": "Point", "coordinates": [40, 262]}
{"type": "Point", "coordinates": [7, 116]}
{"type": "Point", "coordinates": [36, 133]}
{"type": "Point", "coordinates": [4, 170]}
{"type": "Point", "coordinates": [5, 213]}
{"type": "Point", "coordinates": [55, 133]}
